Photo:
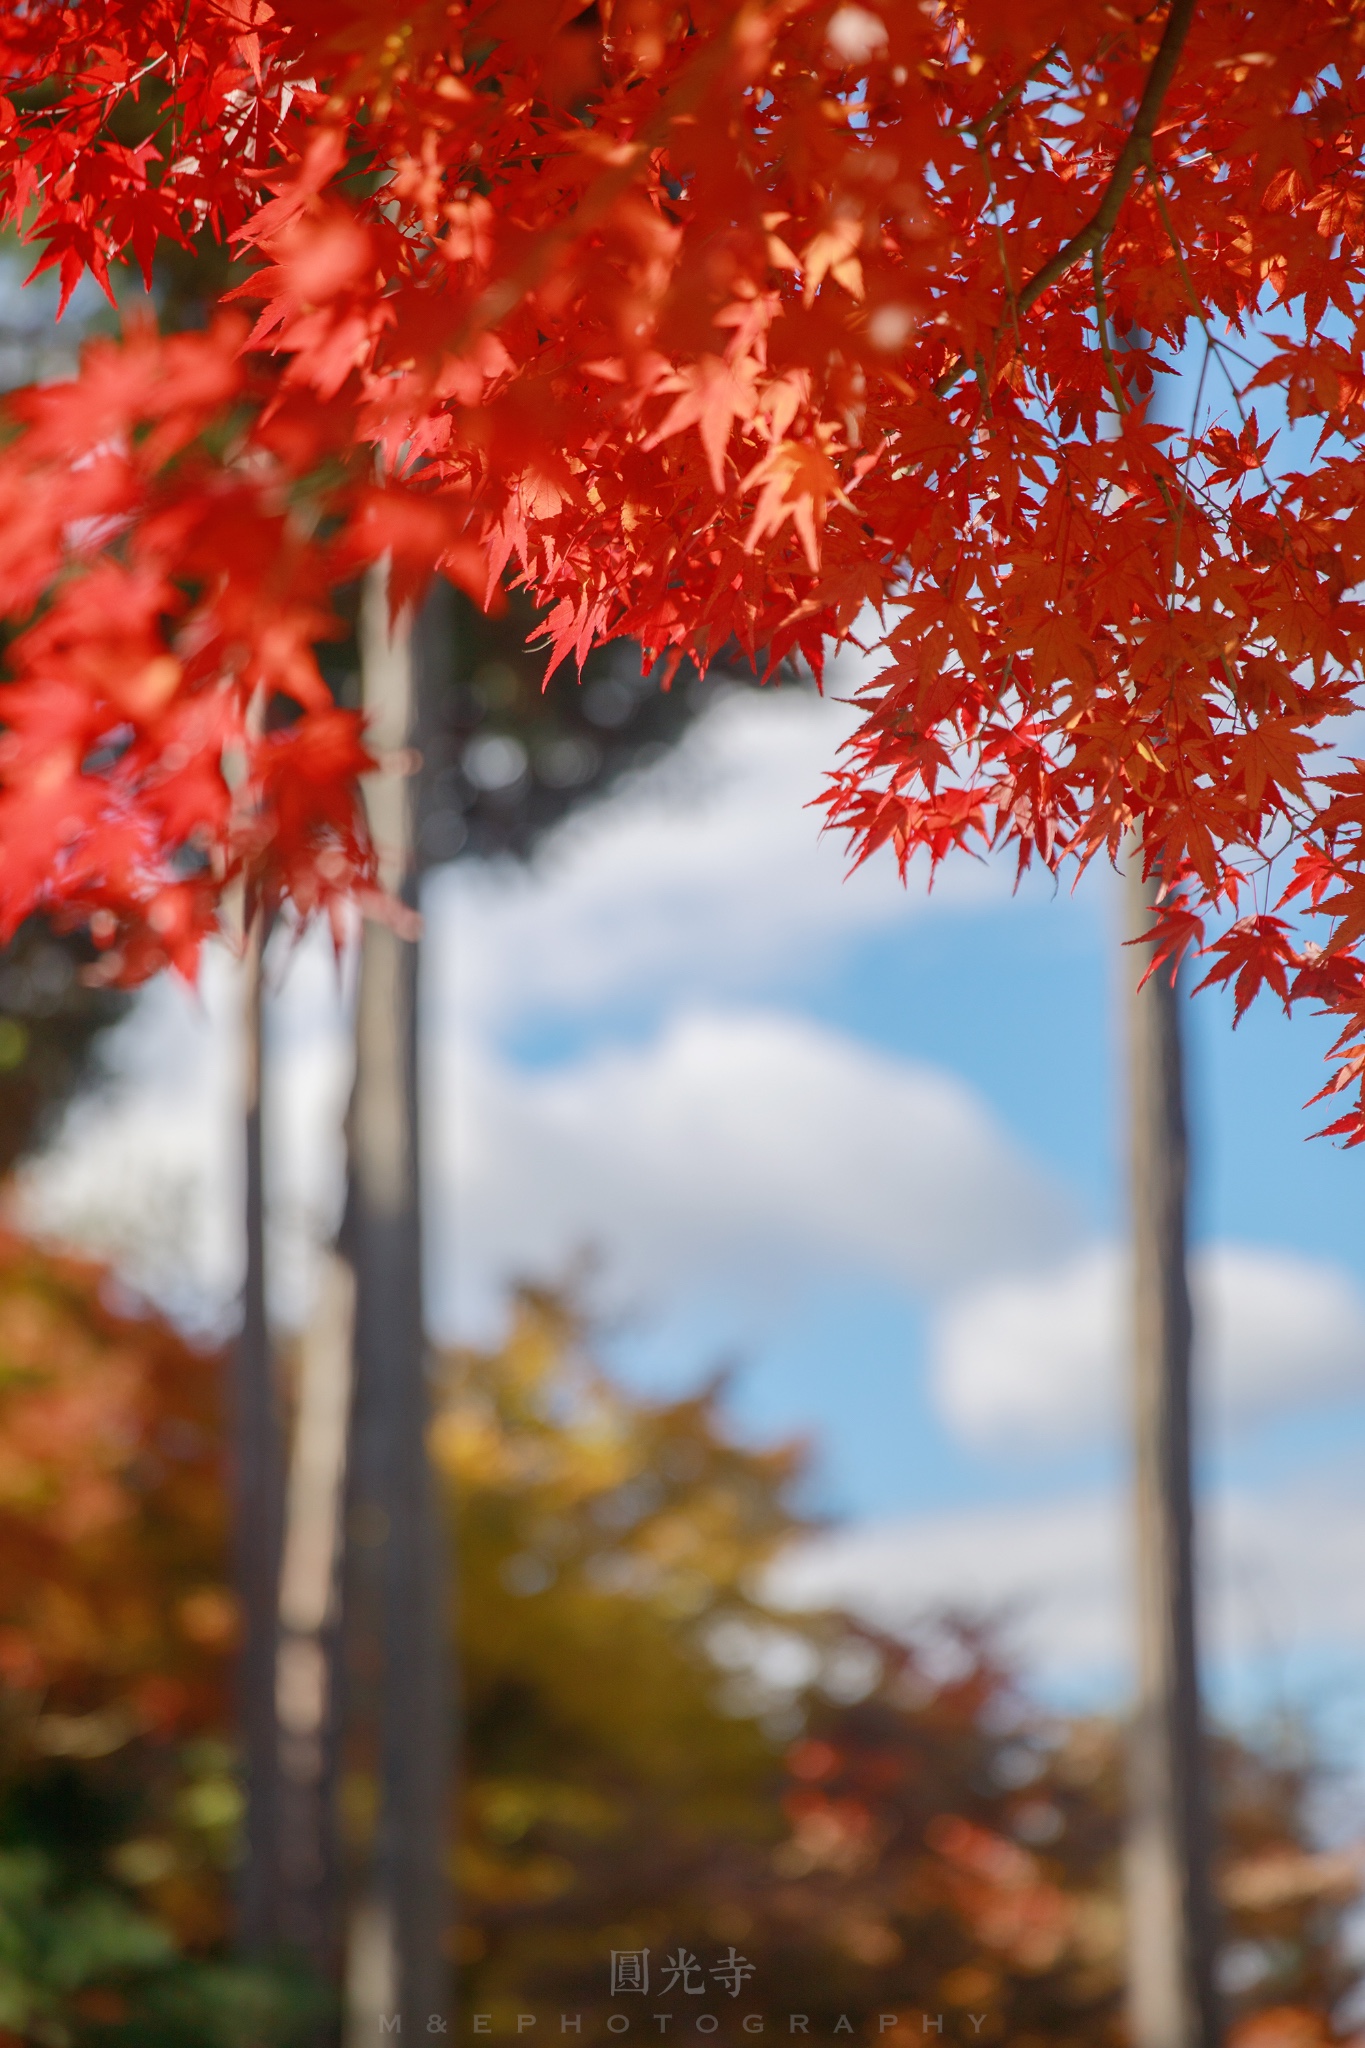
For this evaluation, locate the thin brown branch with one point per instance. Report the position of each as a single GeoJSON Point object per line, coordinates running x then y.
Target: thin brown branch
{"type": "Point", "coordinates": [1185, 472]}
{"type": "Point", "coordinates": [982, 125]}
{"type": "Point", "coordinates": [1121, 404]}
{"type": "Point", "coordinates": [1134, 153]}
{"type": "Point", "coordinates": [1213, 343]}
{"type": "Point", "coordinates": [1106, 347]}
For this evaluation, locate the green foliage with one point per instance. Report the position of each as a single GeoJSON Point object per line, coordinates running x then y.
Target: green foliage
{"type": "Point", "coordinates": [83, 1965]}
{"type": "Point", "coordinates": [56, 1943]}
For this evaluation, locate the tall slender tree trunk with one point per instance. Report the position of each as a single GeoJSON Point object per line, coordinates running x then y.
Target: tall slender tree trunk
{"type": "Point", "coordinates": [395, 1594]}
{"type": "Point", "coordinates": [257, 1462]}
{"type": "Point", "coordinates": [1170, 1910]}
{"type": "Point", "coordinates": [307, 1689]}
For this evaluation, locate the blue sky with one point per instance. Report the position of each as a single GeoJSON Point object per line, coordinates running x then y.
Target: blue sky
{"type": "Point", "coordinates": [1020, 998]}
{"type": "Point", "coordinates": [1013, 1002]}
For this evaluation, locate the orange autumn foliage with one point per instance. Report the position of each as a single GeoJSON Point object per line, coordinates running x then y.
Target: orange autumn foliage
{"type": "Point", "coordinates": [657, 1757]}
{"type": "Point", "coordinates": [880, 1826]}
{"type": "Point", "coordinates": [114, 1617]}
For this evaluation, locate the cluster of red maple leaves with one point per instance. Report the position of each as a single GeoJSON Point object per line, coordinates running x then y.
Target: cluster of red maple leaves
{"type": "Point", "coordinates": [717, 323]}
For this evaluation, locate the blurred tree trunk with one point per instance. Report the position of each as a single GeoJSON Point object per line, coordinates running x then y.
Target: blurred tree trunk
{"type": "Point", "coordinates": [396, 1671]}
{"type": "Point", "coordinates": [307, 1690]}
{"type": "Point", "coordinates": [1171, 1924]}
{"type": "Point", "coordinates": [258, 1484]}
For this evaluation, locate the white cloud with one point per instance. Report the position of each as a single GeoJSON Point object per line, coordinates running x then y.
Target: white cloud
{"type": "Point", "coordinates": [148, 1171]}
{"type": "Point", "coordinates": [1041, 1358]}
{"type": "Point", "coordinates": [732, 1149]}
{"type": "Point", "coordinates": [1283, 1568]}
{"type": "Point", "coordinates": [1051, 1573]}
{"type": "Point", "coordinates": [717, 1155]}
{"type": "Point", "coordinates": [1280, 1574]}
{"type": "Point", "coordinates": [1032, 1356]}
{"type": "Point", "coordinates": [731, 1156]}
{"type": "Point", "coordinates": [707, 875]}
{"type": "Point", "coordinates": [737, 1150]}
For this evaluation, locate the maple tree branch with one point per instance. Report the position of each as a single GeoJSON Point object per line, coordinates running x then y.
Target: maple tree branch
{"type": "Point", "coordinates": [1213, 343]}
{"type": "Point", "coordinates": [1121, 402]}
{"type": "Point", "coordinates": [1134, 153]}
{"type": "Point", "coordinates": [1106, 346]}
{"type": "Point", "coordinates": [1185, 485]}
{"type": "Point", "coordinates": [982, 125]}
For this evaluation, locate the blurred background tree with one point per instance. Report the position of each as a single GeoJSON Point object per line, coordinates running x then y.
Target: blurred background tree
{"type": "Point", "coordinates": [657, 1756]}
{"type": "Point", "coordinates": [660, 1758]}
{"type": "Point", "coordinates": [511, 753]}
{"type": "Point", "coordinates": [119, 1810]}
